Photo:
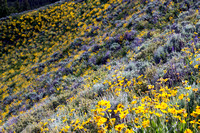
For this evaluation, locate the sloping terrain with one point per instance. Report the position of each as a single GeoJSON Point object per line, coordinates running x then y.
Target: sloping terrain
{"type": "Point", "coordinates": [13, 7]}
{"type": "Point", "coordinates": [102, 66]}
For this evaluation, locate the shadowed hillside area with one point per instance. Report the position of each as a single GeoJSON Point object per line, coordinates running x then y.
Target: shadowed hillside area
{"type": "Point", "coordinates": [8, 7]}
{"type": "Point", "coordinates": [100, 66]}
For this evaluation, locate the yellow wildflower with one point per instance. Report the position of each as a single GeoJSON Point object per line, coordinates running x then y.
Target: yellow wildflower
{"type": "Point", "coordinates": [188, 131]}
{"type": "Point", "coordinates": [129, 131]}
{"type": "Point", "coordinates": [188, 88]}
{"type": "Point", "coordinates": [119, 127]}
{"type": "Point", "coordinates": [145, 123]}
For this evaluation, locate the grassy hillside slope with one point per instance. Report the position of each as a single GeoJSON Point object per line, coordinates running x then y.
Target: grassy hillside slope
{"type": "Point", "coordinates": [102, 66]}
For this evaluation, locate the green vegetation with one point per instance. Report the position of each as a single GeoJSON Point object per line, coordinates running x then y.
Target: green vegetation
{"type": "Point", "coordinates": [101, 66]}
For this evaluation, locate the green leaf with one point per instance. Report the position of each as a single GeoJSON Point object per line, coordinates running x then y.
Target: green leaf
{"type": "Point", "coordinates": [153, 124]}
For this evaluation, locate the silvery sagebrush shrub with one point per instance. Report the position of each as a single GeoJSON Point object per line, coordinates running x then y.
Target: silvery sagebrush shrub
{"type": "Point", "coordinates": [144, 46]}
{"type": "Point", "coordinates": [64, 71]}
{"type": "Point", "coordinates": [115, 46]}
{"type": "Point", "coordinates": [176, 27]}
{"type": "Point", "coordinates": [92, 60]}
{"type": "Point", "coordinates": [85, 47]}
{"type": "Point", "coordinates": [174, 56]}
{"type": "Point", "coordinates": [119, 23]}
{"type": "Point", "coordinates": [84, 56]}
{"type": "Point", "coordinates": [32, 96]}
{"type": "Point", "coordinates": [130, 66]}
{"type": "Point", "coordinates": [160, 54]}
{"type": "Point", "coordinates": [183, 14]}
{"type": "Point", "coordinates": [8, 100]}
{"type": "Point", "coordinates": [55, 54]}
{"type": "Point", "coordinates": [141, 66]}
{"type": "Point", "coordinates": [159, 72]}
{"type": "Point", "coordinates": [126, 43]}
{"type": "Point", "coordinates": [197, 45]}
{"type": "Point", "coordinates": [98, 89]}
{"type": "Point", "coordinates": [109, 41]}
{"type": "Point", "coordinates": [184, 23]}
{"type": "Point", "coordinates": [56, 81]}
{"type": "Point", "coordinates": [134, 16]}
{"type": "Point", "coordinates": [129, 23]}
{"type": "Point", "coordinates": [198, 17]}
{"type": "Point", "coordinates": [196, 60]}
{"type": "Point", "coordinates": [197, 4]}
{"type": "Point", "coordinates": [156, 15]}
{"type": "Point", "coordinates": [175, 43]}
{"type": "Point", "coordinates": [198, 27]}
{"type": "Point", "coordinates": [130, 74]}
{"type": "Point", "coordinates": [188, 30]}
{"type": "Point", "coordinates": [114, 101]}
{"type": "Point", "coordinates": [62, 64]}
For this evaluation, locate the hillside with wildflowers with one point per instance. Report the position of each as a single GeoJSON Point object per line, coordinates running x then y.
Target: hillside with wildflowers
{"type": "Point", "coordinates": [108, 66]}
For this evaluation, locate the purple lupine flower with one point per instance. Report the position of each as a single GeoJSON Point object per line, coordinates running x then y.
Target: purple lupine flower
{"type": "Point", "coordinates": [92, 60]}
{"type": "Point", "coordinates": [130, 35]}
{"type": "Point", "coordinates": [84, 47]}
{"type": "Point", "coordinates": [196, 40]}
{"type": "Point", "coordinates": [95, 47]}
{"type": "Point", "coordinates": [117, 37]}
{"type": "Point", "coordinates": [172, 48]}
{"type": "Point", "coordinates": [12, 121]}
